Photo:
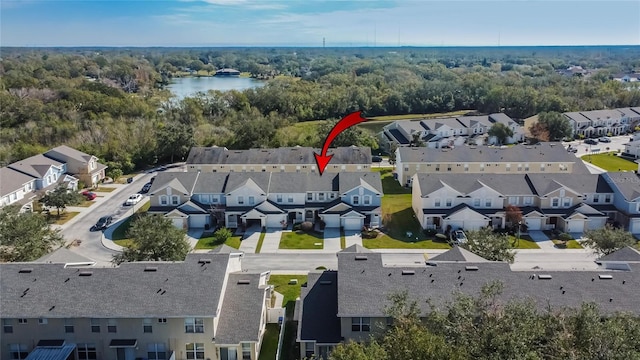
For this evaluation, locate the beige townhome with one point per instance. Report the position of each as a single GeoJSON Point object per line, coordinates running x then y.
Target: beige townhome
{"type": "Point", "coordinates": [349, 304]}
{"type": "Point", "coordinates": [606, 122]}
{"type": "Point", "coordinates": [523, 159]}
{"type": "Point", "coordinates": [81, 165]}
{"type": "Point", "coordinates": [547, 201]}
{"type": "Point", "coordinates": [286, 159]}
{"type": "Point", "coordinates": [204, 307]}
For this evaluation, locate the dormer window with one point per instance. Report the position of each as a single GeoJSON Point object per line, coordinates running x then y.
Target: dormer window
{"type": "Point", "coordinates": [92, 164]}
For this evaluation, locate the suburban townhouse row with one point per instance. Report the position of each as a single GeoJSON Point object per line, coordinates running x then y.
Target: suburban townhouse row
{"type": "Point", "coordinates": [349, 200]}
{"type": "Point", "coordinates": [453, 131]}
{"type": "Point", "coordinates": [204, 307]}
{"type": "Point", "coordinates": [23, 181]}
{"type": "Point", "coordinates": [350, 304]}
{"type": "Point", "coordinates": [549, 157]}
{"type": "Point", "coordinates": [597, 123]}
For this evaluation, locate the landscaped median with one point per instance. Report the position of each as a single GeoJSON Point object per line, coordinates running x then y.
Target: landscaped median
{"type": "Point", "coordinates": [119, 234]}
{"type": "Point", "coordinates": [301, 240]}
{"type": "Point", "coordinates": [610, 162]}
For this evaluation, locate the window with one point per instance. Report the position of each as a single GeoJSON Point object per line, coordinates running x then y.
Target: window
{"type": "Point", "coordinates": [526, 167]}
{"type": "Point", "coordinates": [22, 321]}
{"type": "Point", "coordinates": [508, 167]}
{"type": "Point", "coordinates": [13, 196]}
{"type": "Point", "coordinates": [513, 200]}
{"type": "Point", "coordinates": [555, 202]}
{"type": "Point", "coordinates": [164, 200]}
{"type": "Point", "coordinates": [487, 202]}
{"type": "Point", "coordinates": [290, 199]}
{"type": "Point", "coordinates": [87, 352]}
{"type": "Point", "coordinates": [366, 200]}
{"type": "Point", "coordinates": [146, 326]}
{"type": "Point", "coordinates": [214, 199]}
{"type": "Point", "coordinates": [596, 198]}
{"type": "Point", "coordinates": [55, 177]}
{"type": "Point", "coordinates": [360, 324]}
{"type": "Point", "coordinates": [389, 321]}
{"type": "Point", "coordinates": [436, 203]}
{"type": "Point", "coordinates": [162, 320]}
{"type": "Point", "coordinates": [519, 167]}
{"type": "Point", "coordinates": [95, 325]}
{"type": "Point", "coordinates": [7, 326]}
{"type": "Point", "coordinates": [252, 200]}
{"type": "Point", "coordinates": [194, 325]}
{"type": "Point", "coordinates": [279, 198]}
{"type": "Point", "coordinates": [246, 351]}
{"type": "Point", "coordinates": [448, 202]}
{"type": "Point", "coordinates": [566, 202]}
{"type": "Point", "coordinates": [355, 200]}
{"type": "Point", "coordinates": [309, 349]}
{"type": "Point", "coordinates": [528, 200]}
{"type": "Point", "coordinates": [437, 167]}
{"type": "Point", "coordinates": [240, 200]}
{"type": "Point", "coordinates": [607, 198]}
{"type": "Point", "coordinates": [309, 196]}
{"type": "Point", "coordinates": [321, 196]}
{"type": "Point", "coordinates": [18, 351]}
{"type": "Point", "coordinates": [175, 200]}
{"type": "Point", "coordinates": [156, 352]}
{"type": "Point", "coordinates": [43, 321]}
{"type": "Point", "coordinates": [196, 351]}
{"type": "Point", "coordinates": [68, 326]}
{"type": "Point", "coordinates": [332, 195]}
{"type": "Point", "coordinates": [112, 326]}
{"type": "Point", "coordinates": [448, 167]}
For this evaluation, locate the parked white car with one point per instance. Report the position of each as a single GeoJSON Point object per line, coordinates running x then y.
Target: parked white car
{"type": "Point", "coordinates": [133, 199]}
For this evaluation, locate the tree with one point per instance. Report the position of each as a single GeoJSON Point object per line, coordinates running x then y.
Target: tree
{"type": "Point", "coordinates": [489, 245]}
{"type": "Point", "coordinates": [501, 132]}
{"type": "Point", "coordinates": [513, 215]}
{"type": "Point", "coordinates": [608, 239]}
{"type": "Point", "coordinates": [25, 236]}
{"type": "Point", "coordinates": [416, 141]}
{"type": "Point", "coordinates": [154, 238]}
{"type": "Point", "coordinates": [60, 197]}
{"type": "Point", "coordinates": [556, 124]}
{"type": "Point", "coordinates": [539, 131]}
{"type": "Point", "coordinates": [221, 235]}
{"type": "Point", "coordinates": [392, 153]}
{"type": "Point", "coordinates": [174, 139]}
{"type": "Point", "coordinates": [351, 136]}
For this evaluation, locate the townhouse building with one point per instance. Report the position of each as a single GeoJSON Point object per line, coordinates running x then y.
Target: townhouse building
{"type": "Point", "coordinates": [348, 200]}
{"type": "Point", "coordinates": [23, 181]}
{"type": "Point", "coordinates": [454, 131]}
{"type": "Point", "coordinates": [350, 304]}
{"type": "Point", "coordinates": [468, 159]}
{"type": "Point", "coordinates": [204, 307]}
{"type": "Point", "coordinates": [547, 201]}
{"type": "Point", "coordinates": [608, 122]}
{"type": "Point", "coordinates": [285, 159]}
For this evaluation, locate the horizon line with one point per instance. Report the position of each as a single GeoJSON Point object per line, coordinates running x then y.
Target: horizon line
{"type": "Point", "coordinates": [343, 45]}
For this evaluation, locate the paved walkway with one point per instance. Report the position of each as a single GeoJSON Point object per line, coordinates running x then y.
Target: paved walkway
{"type": "Point", "coordinates": [542, 240]}
{"type": "Point", "coordinates": [352, 238]}
{"type": "Point", "coordinates": [193, 235]}
{"type": "Point", "coordinates": [331, 240]}
{"type": "Point", "coordinates": [250, 240]}
{"type": "Point", "coordinates": [271, 241]}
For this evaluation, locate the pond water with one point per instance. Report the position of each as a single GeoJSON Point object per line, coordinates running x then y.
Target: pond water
{"type": "Point", "coordinates": [188, 86]}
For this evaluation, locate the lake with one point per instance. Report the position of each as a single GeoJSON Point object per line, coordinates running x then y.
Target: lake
{"type": "Point", "coordinates": [188, 86]}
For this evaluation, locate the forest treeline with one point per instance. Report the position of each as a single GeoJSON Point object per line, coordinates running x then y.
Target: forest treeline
{"type": "Point", "coordinates": [113, 102]}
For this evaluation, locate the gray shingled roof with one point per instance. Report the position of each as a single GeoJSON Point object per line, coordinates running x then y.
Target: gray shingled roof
{"type": "Point", "coordinates": [238, 179]}
{"type": "Point", "coordinates": [36, 166]}
{"type": "Point", "coordinates": [65, 256]}
{"type": "Point", "coordinates": [290, 182]}
{"type": "Point", "coordinates": [576, 116]}
{"type": "Point", "coordinates": [350, 180]}
{"type": "Point", "coordinates": [508, 184]}
{"type": "Point", "coordinates": [12, 180]}
{"type": "Point", "coordinates": [182, 181]}
{"type": "Point", "coordinates": [319, 309]}
{"type": "Point", "coordinates": [547, 152]}
{"type": "Point", "coordinates": [626, 254]}
{"type": "Point", "coordinates": [69, 152]}
{"type": "Point", "coordinates": [284, 155]}
{"type": "Point", "coordinates": [628, 183]}
{"type": "Point", "coordinates": [210, 183]}
{"type": "Point", "coordinates": [56, 292]}
{"type": "Point", "coordinates": [241, 310]}
{"type": "Point", "coordinates": [364, 285]}
{"type": "Point", "coordinates": [458, 254]}
{"type": "Point", "coordinates": [588, 183]}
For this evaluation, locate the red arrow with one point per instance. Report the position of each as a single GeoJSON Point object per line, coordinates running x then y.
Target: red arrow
{"type": "Point", "coordinates": [348, 121]}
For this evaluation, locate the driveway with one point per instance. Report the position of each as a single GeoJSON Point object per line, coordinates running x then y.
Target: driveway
{"type": "Point", "coordinates": [332, 240]}
{"type": "Point", "coordinates": [352, 238]}
{"type": "Point", "coordinates": [250, 240]}
{"type": "Point", "coordinates": [542, 240]}
{"type": "Point", "coordinates": [271, 241]}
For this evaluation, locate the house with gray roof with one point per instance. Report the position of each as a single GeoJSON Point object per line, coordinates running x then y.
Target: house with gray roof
{"type": "Point", "coordinates": [626, 188]}
{"type": "Point", "coordinates": [350, 200]}
{"type": "Point", "coordinates": [199, 308]}
{"type": "Point", "coordinates": [16, 188]}
{"type": "Point", "coordinates": [606, 122]}
{"type": "Point", "coordinates": [549, 157]}
{"type": "Point", "coordinates": [284, 159]}
{"type": "Point", "coordinates": [81, 165]}
{"type": "Point", "coordinates": [451, 131]}
{"type": "Point", "coordinates": [349, 304]}
{"type": "Point", "coordinates": [548, 201]}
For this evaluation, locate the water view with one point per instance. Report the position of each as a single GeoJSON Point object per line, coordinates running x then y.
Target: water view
{"type": "Point", "coordinates": [189, 86]}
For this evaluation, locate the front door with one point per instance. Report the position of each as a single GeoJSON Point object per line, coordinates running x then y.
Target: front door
{"type": "Point", "coordinates": [124, 354]}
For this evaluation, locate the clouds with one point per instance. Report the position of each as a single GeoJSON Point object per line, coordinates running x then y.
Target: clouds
{"type": "Point", "coordinates": [295, 23]}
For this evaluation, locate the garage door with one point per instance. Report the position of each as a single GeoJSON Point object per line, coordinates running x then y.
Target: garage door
{"type": "Point", "coordinates": [455, 224]}
{"type": "Point", "coordinates": [353, 224]}
{"type": "Point", "coordinates": [332, 221]}
{"type": "Point", "coordinates": [198, 221]}
{"type": "Point", "coordinates": [634, 226]}
{"type": "Point", "coordinates": [533, 224]}
{"type": "Point", "coordinates": [574, 226]}
{"type": "Point", "coordinates": [474, 224]}
{"type": "Point", "coordinates": [596, 223]}
{"type": "Point", "coordinates": [273, 221]}
{"type": "Point", "coordinates": [178, 222]}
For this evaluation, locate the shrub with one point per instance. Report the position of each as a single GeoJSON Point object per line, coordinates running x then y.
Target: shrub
{"type": "Point", "coordinates": [430, 232]}
{"type": "Point", "coordinates": [369, 234]}
{"type": "Point", "coordinates": [306, 226]}
{"type": "Point", "coordinates": [442, 237]}
{"type": "Point", "coordinates": [221, 235]}
{"type": "Point", "coordinates": [321, 268]}
{"type": "Point", "coordinates": [565, 237]}
{"type": "Point", "coordinates": [296, 226]}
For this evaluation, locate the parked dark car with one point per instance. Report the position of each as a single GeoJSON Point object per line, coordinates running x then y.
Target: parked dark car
{"type": "Point", "coordinates": [146, 188]}
{"type": "Point", "coordinates": [152, 180]}
{"type": "Point", "coordinates": [591, 141]}
{"type": "Point", "coordinates": [129, 180]}
{"type": "Point", "coordinates": [376, 159]}
{"type": "Point", "coordinates": [103, 223]}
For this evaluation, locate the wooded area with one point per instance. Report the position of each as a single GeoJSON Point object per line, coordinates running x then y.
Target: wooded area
{"type": "Point", "coordinates": [112, 102]}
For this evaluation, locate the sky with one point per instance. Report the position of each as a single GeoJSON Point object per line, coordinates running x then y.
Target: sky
{"type": "Point", "coordinates": [308, 22]}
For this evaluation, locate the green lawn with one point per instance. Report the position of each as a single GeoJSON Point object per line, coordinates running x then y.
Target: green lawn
{"type": "Point", "coordinates": [62, 218]}
{"type": "Point", "coordinates": [571, 244]}
{"type": "Point", "coordinates": [525, 242]}
{"type": "Point", "coordinates": [269, 346]}
{"type": "Point", "coordinates": [419, 116]}
{"type": "Point", "coordinates": [301, 240]}
{"type": "Point", "coordinates": [86, 203]}
{"type": "Point", "coordinates": [343, 241]}
{"type": "Point", "coordinates": [124, 242]}
{"type": "Point", "coordinates": [120, 233]}
{"type": "Point", "coordinates": [260, 241]}
{"type": "Point", "coordinates": [399, 218]}
{"type": "Point", "coordinates": [104, 189]}
{"type": "Point", "coordinates": [290, 292]}
{"type": "Point", "coordinates": [209, 242]}
{"type": "Point", "coordinates": [610, 162]}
